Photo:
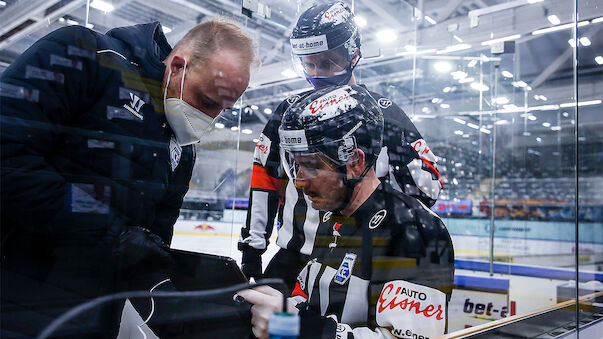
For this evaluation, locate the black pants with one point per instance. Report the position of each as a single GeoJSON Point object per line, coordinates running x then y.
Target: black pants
{"type": "Point", "coordinates": [286, 265]}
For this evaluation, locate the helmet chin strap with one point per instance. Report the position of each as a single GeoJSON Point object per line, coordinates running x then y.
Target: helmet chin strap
{"type": "Point", "coordinates": [350, 184]}
{"type": "Point", "coordinates": [335, 80]}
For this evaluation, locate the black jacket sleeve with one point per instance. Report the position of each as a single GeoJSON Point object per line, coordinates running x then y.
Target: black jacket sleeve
{"type": "Point", "coordinates": [41, 92]}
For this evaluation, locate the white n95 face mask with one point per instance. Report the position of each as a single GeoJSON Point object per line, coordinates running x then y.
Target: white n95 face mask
{"type": "Point", "coordinates": [187, 122]}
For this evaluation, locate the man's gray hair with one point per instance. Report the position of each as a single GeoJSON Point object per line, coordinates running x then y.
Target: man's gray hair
{"type": "Point", "coordinates": [219, 34]}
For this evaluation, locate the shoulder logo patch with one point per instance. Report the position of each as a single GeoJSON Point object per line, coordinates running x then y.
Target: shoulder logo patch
{"type": "Point", "coordinates": [384, 102]}
{"type": "Point", "coordinates": [293, 99]}
{"type": "Point", "coordinates": [135, 105]}
{"type": "Point", "coordinates": [327, 216]}
{"type": "Point", "coordinates": [377, 219]}
{"type": "Point", "coordinates": [345, 269]}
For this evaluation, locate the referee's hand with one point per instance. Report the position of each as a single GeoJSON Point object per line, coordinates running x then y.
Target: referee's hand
{"type": "Point", "coordinates": [266, 301]}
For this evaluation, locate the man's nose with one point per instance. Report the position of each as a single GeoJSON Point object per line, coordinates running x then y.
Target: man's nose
{"type": "Point", "coordinates": [300, 179]}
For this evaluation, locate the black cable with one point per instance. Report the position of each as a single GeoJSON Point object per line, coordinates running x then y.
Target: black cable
{"type": "Point", "coordinates": [72, 313]}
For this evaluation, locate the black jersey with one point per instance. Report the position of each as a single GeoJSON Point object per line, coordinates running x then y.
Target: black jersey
{"type": "Point", "coordinates": [405, 161]}
{"type": "Point", "coordinates": [387, 267]}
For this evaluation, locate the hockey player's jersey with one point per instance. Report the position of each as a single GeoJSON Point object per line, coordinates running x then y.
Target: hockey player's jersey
{"type": "Point", "coordinates": [405, 161]}
{"type": "Point", "coordinates": [388, 269]}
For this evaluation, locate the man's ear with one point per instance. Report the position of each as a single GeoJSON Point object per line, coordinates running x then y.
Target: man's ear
{"type": "Point", "coordinates": [177, 64]}
{"type": "Point", "coordinates": [356, 165]}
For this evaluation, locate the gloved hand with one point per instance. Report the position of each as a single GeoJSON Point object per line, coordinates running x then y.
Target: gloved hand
{"type": "Point", "coordinates": [137, 248]}
{"type": "Point", "coordinates": [251, 264]}
{"type": "Point", "coordinates": [266, 300]}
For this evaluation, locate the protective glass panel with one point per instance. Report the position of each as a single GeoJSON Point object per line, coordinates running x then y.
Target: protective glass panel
{"type": "Point", "coordinates": [490, 86]}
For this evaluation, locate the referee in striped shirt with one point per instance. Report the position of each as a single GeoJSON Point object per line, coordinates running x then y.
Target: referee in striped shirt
{"type": "Point", "coordinates": [383, 263]}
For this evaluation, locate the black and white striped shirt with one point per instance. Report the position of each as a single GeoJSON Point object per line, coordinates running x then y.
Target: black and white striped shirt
{"type": "Point", "coordinates": [389, 269]}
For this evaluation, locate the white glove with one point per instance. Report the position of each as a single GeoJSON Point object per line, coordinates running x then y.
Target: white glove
{"type": "Point", "coordinates": [266, 300]}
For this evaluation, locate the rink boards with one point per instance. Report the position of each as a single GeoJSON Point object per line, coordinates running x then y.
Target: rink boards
{"type": "Point", "coordinates": [528, 277]}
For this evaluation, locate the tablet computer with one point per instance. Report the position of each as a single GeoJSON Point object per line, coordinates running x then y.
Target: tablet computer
{"type": "Point", "coordinates": [199, 271]}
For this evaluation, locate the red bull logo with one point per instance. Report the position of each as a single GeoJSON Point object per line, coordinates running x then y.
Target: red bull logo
{"type": "Point", "coordinates": [205, 227]}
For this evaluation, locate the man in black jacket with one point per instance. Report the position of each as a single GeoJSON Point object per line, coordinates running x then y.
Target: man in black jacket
{"type": "Point", "coordinates": [97, 137]}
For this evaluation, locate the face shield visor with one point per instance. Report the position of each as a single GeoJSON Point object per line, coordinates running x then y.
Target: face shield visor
{"type": "Point", "coordinates": [323, 65]}
{"type": "Point", "coordinates": [302, 161]}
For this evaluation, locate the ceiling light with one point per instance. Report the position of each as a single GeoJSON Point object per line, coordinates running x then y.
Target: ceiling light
{"type": "Point", "coordinates": [234, 128]}
{"type": "Point", "coordinates": [544, 108]}
{"type": "Point", "coordinates": [519, 83]}
{"type": "Point", "coordinates": [565, 114]}
{"type": "Point", "coordinates": [446, 89]}
{"type": "Point", "coordinates": [457, 38]}
{"type": "Point", "coordinates": [445, 105]}
{"type": "Point", "coordinates": [102, 6]}
{"type": "Point", "coordinates": [534, 1]}
{"type": "Point", "coordinates": [254, 107]}
{"type": "Point", "coordinates": [360, 21]}
{"type": "Point", "coordinates": [554, 19]}
{"type": "Point", "coordinates": [256, 140]}
{"type": "Point", "coordinates": [581, 103]}
{"type": "Point", "coordinates": [532, 117]}
{"type": "Point", "coordinates": [507, 74]}
{"type": "Point", "coordinates": [425, 109]}
{"type": "Point", "coordinates": [458, 75]}
{"type": "Point", "coordinates": [458, 132]}
{"type": "Point", "coordinates": [246, 131]}
{"type": "Point", "coordinates": [510, 106]}
{"type": "Point", "coordinates": [289, 73]}
{"type": "Point", "coordinates": [412, 50]}
{"type": "Point", "coordinates": [585, 41]}
{"type": "Point", "coordinates": [436, 100]}
{"type": "Point", "coordinates": [599, 19]}
{"type": "Point", "coordinates": [466, 80]}
{"type": "Point", "coordinates": [472, 63]}
{"type": "Point", "coordinates": [479, 86]}
{"type": "Point", "coordinates": [442, 66]}
{"type": "Point", "coordinates": [267, 111]}
{"type": "Point", "coordinates": [460, 121]}
{"type": "Point", "coordinates": [430, 20]}
{"type": "Point", "coordinates": [556, 128]}
{"type": "Point", "coordinates": [387, 35]}
{"type": "Point", "coordinates": [507, 38]}
{"type": "Point", "coordinates": [501, 100]}
{"type": "Point", "coordinates": [454, 48]}
{"type": "Point", "coordinates": [2, 3]}
{"type": "Point", "coordinates": [474, 126]}
{"type": "Point", "coordinates": [572, 43]}
{"type": "Point", "coordinates": [558, 28]}
{"type": "Point", "coordinates": [219, 125]}
{"type": "Point", "coordinates": [487, 131]}
{"type": "Point", "coordinates": [538, 139]}
{"type": "Point", "coordinates": [501, 122]}
{"type": "Point", "coordinates": [546, 124]}
{"type": "Point", "coordinates": [599, 60]}
{"type": "Point", "coordinates": [166, 29]}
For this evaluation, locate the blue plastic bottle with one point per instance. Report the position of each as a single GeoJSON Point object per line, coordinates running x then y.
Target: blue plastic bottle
{"type": "Point", "coordinates": [283, 326]}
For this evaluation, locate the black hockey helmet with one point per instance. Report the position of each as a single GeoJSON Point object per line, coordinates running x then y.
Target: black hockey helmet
{"type": "Point", "coordinates": [332, 122]}
{"type": "Point", "coordinates": [328, 30]}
